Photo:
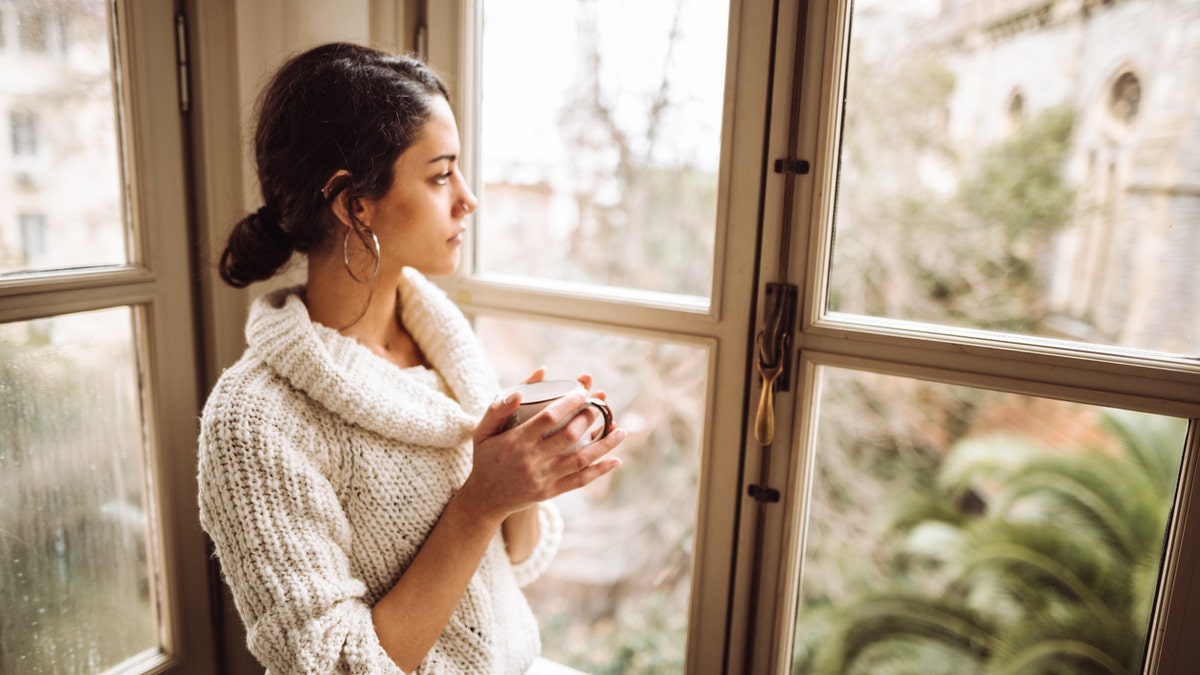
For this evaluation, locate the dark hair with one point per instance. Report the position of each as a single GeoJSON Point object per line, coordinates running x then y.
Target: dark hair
{"type": "Point", "coordinates": [335, 107]}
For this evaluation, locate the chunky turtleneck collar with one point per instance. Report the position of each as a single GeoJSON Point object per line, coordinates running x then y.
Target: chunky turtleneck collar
{"type": "Point", "coordinates": [364, 389]}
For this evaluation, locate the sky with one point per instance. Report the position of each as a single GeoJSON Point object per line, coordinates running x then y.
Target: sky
{"type": "Point", "coordinates": [531, 65]}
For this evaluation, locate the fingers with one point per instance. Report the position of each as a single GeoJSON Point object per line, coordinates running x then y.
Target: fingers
{"type": "Point", "coordinates": [589, 473]}
{"type": "Point", "coordinates": [496, 415]}
{"type": "Point", "coordinates": [537, 375]}
{"type": "Point", "coordinates": [586, 380]}
{"type": "Point", "coordinates": [586, 456]}
{"type": "Point", "coordinates": [581, 467]}
{"type": "Point", "coordinates": [526, 464]}
{"type": "Point", "coordinates": [584, 422]}
{"type": "Point", "coordinates": [555, 418]}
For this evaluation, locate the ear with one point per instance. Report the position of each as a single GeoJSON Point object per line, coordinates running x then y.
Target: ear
{"type": "Point", "coordinates": [341, 204]}
{"type": "Point", "coordinates": [361, 209]}
{"type": "Point", "coordinates": [344, 205]}
{"type": "Point", "coordinates": [340, 207]}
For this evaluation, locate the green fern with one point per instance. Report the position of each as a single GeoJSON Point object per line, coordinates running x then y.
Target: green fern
{"type": "Point", "coordinates": [1055, 574]}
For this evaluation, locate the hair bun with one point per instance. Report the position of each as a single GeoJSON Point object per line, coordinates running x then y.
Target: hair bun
{"type": "Point", "coordinates": [268, 216]}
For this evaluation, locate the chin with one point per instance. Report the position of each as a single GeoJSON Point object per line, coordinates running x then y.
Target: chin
{"type": "Point", "coordinates": [441, 270]}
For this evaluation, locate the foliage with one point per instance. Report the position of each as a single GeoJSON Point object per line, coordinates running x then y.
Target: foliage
{"type": "Point", "coordinates": [929, 232]}
{"type": "Point", "coordinates": [886, 214]}
{"type": "Point", "coordinates": [1056, 573]}
{"type": "Point", "coordinates": [1018, 183]}
{"type": "Point", "coordinates": [645, 638]}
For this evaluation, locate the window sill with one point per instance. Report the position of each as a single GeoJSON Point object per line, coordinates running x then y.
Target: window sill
{"type": "Point", "coordinates": [547, 667]}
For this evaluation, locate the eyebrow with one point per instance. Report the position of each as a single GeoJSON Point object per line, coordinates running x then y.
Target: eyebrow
{"type": "Point", "coordinates": [441, 158]}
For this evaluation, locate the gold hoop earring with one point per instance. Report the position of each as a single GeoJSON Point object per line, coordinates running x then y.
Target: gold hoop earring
{"type": "Point", "coordinates": [375, 251]}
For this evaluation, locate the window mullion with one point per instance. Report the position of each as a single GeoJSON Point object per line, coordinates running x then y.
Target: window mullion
{"type": "Point", "coordinates": [1166, 387]}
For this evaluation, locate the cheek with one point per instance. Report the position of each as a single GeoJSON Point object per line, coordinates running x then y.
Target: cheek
{"type": "Point", "coordinates": [396, 219]}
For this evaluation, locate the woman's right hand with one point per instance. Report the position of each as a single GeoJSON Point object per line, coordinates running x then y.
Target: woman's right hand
{"type": "Point", "coordinates": [513, 470]}
{"type": "Point", "coordinates": [518, 468]}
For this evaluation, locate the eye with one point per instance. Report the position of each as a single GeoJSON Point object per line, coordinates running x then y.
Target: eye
{"type": "Point", "coordinates": [442, 178]}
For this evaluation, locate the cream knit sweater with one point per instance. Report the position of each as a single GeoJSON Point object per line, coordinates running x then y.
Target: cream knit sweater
{"type": "Point", "coordinates": [323, 467]}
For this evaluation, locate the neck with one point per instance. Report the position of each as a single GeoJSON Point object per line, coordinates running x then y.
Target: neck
{"type": "Point", "coordinates": [367, 313]}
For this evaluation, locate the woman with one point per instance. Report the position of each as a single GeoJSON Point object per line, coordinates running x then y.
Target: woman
{"type": "Point", "coordinates": [369, 514]}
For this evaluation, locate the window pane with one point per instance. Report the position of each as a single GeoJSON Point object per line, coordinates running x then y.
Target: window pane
{"type": "Point", "coordinates": [599, 164]}
{"type": "Point", "coordinates": [615, 599]}
{"type": "Point", "coordinates": [60, 170]}
{"type": "Point", "coordinates": [956, 530]}
{"type": "Point", "coordinates": [75, 582]}
{"type": "Point", "coordinates": [1024, 166]}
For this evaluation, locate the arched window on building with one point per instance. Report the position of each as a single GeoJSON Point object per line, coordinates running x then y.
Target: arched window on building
{"type": "Point", "coordinates": [1014, 112]}
{"type": "Point", "coordinates": [1125, 97]}
{"type": "Point", "coordinates": [1104, 223]}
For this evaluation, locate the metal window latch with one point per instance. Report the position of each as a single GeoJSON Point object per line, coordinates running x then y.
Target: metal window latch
{"type": "Point", "coordinates": [791, 165]}
{"type": "Point", "coordinates": [773, 347]}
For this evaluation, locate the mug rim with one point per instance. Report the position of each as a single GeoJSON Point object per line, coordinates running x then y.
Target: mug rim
{"type": "Point", "coordinates": [546, 390]}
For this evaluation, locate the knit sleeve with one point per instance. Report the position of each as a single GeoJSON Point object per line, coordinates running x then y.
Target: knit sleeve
{"type": "Point", "coordinates": [550, 528]}
{"type": "Point", "coordinates": [282, 538]}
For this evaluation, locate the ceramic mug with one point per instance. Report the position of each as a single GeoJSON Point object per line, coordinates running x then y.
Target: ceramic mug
{"type": "Point", "coordinates": [535, 396]}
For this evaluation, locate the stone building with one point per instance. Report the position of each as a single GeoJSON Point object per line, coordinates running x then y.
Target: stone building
{"type": "Point", "coordinates": [1124, 271]}
{"type": "Point", "coordinates": [61, 194]}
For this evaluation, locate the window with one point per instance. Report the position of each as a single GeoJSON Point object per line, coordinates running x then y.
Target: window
{"type": "Point", "coordinates": [971, 338]}
{"type": "Point", "coordinates": [610, 164]}
{"type": "Point", "coordinates": [66, 156]}
{"type": "Point", "coordinates": [618, 591]}
{"type": "Point", "coordinates": [607, 169]}
{"type": "Point", "coordinates": [33, 28]}
{"type": "Point", "coordinates": [23, 129]}
{"type": "Point", "coordinates": [1016, 111]}
{"type": "Point", "coordinates": [99, 549]}
{"type": "Point", "coordinates": [1126, 97]}
{"type": "Point", "coordinates": [79, 552]}
{"type": "Point", "coordinates": [62, 34]}
{"type": "Point", "coordinates": [33, 237]}
{"type": "Point", "coordinates": [945, 521]}
{"type": "Point", "coordinates": [991, 249]}
{"type": "Point", "coordinates": [612, 238]}
{"type": "Point", "coordinates": [987, 369]}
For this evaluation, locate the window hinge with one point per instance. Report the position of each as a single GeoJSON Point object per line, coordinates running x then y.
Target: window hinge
{"type": "Point", "coordinates": [791, 165]}
{"type": "Point", "coordinates": [762, 494]}
{"type": "Point", "coordinates": [181, 62]}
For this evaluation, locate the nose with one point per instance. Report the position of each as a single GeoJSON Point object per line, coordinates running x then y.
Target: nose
{"type": "Point", "coordinates": [468, 202]}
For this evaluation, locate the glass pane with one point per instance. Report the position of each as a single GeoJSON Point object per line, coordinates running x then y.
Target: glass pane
{"type": "Point", "coordinates": [60, 164]}
{"type": "Point", "coordinates": [76, 578]}
{"type": "Point", "coordinates": [1024, 166]}
{"type": "Point", "coordinates": [615, 599]}
{"type": "Point", "coordinates": [599, 164]}
{"type": "Point", "coordinates": [955, 530]}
